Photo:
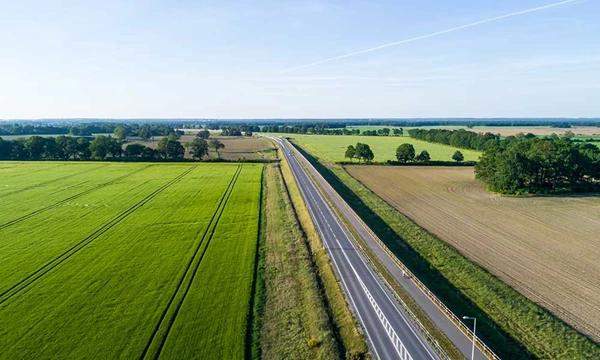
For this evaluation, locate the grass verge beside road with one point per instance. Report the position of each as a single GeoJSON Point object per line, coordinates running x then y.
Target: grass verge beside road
{"type": "Point", "coordinates": [503, 314]}
{"type": "Point", "coordinates": [345, 329]}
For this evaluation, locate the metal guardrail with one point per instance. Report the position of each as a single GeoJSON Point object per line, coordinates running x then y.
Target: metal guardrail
{"type": "Point", "coordinates": [439, 304]}
{"type": "Point", "coordinates": [398, 345]}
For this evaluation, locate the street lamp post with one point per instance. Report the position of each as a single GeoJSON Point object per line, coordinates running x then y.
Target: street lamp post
{"type": "Point", "coordinates": [474, 327]}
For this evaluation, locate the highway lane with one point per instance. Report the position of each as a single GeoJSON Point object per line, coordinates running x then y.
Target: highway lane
{"type": "Point", "coordinates": [390, 333]}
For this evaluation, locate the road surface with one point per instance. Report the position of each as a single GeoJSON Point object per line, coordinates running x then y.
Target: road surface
{"type": "Point", "coordinates": [388, 329]}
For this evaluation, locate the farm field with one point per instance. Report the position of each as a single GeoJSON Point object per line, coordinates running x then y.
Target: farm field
{"type": "Point", "coordinates": [545, 247]}
{"type": "Point", "coordinates": [236, 147]}
{"type": "Point", "coordinates": [513, 130]}
{"type": "Point", "coordinates": [137, 260]}
{"type": "Point", "coordinates": [333, 147]}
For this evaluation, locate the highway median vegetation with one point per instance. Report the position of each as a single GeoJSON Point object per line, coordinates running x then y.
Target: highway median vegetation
{"type": "Point", "coordinates": [346, 329]}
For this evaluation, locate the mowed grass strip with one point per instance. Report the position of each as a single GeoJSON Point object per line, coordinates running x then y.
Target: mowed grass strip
{"type": "Point", "coordinates": [331, 148]}
{"type": "Point", "coordinates": [105, 301]}
{"type": "Point", "coordinates": [295, 309]}
{"type": "Point", "coordinates": [213, 319]}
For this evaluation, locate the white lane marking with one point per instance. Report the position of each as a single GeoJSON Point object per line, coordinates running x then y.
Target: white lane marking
{"type": "Point", "coordinates": [366, 266]}
{"type": "Point", "coordinates": [335, 263]}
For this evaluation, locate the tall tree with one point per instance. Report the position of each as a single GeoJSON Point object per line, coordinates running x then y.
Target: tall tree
{"type": "Point", "coordinates": [198, 148]}
{"type": "Point", "coordinates": [350, 152]}
{"type": "Point", "coordinates": [145, 133]}
{"type": "Point", "coordinates": [203, 134]}
{"type": "Point", "coordinates": [100, 147]}
{"type": "Point", "coordinates": [405, 153]}
{"type": "Point", "coordinates": [171, 149]}
{"type": "Point", "coordinates": [216, 144]}
{"type": "Point", "coordinates": [423, 156]}
{"type": "Point", "coordinates": [34, 146]}
{"type": "Point", "coordinates": [120, 133]}
{"type": "Point", "coordinates": [458, 156]}
{"type": "Point", "coordinates": [363, 152]}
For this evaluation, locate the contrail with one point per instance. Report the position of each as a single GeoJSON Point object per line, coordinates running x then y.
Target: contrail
{"type": "Point", "coordinates": [427, 36]}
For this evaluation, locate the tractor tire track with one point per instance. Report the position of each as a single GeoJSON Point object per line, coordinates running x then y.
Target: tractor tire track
{"type": "Point", "coordinates": [57, 204]}
{"type": "Point", "coordinates": [158, 337]}
{"type": "Point", "coordinates": [33, 277]}
{"type": "Point", "coordinates": [49, 182]}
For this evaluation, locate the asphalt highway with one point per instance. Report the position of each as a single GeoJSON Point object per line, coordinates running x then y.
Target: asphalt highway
{"type": "Point", "coordinates": [388, 329]}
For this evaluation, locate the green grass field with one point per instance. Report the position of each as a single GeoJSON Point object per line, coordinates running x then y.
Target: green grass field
{"type": "Point", "coordinates": [127, 260]}
{"type": "Point", "coordinates": [333, 147]}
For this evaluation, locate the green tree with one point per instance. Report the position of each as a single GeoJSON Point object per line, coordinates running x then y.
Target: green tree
{"type": "Point", "coordinates": [120, 133]}
{"type": "Point", "coordinates": [423, 156]}
{"type": "Point", "coordinates": [35, 147]}
{"type": "Point", "coordinates": [75, 131]}
{"type": "Point", "coordinates": [405, 153]}
{"type": "Point", "coordinates": [145, 134]}
{"type": "Point", "coordinates": [203, 134]}
{"type": "Point", "coordinates": [458, 156]}
{"type": "Point", "coordinates": [170, 148]}
{"type": "Point", "coordinates": [175, 135]}
{"type": "Point", "coordinates": [198, 148]}
{"type": "Point", "coordinates": [398, 131]}
{"type": "Point", "coordinates": [350, 152]}
{"type": "Point", "coordinates": [363, 152]}
{"type": "Point", "coordinates": [216, 144]}
{"type": "Point", "coordinates": [134, 150]}
{"type": "Point", "coordinates": [100, 147]}
{"type": "Point", "coordinates": [83, 148]}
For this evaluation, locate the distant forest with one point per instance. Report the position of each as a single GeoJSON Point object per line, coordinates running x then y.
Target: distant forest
{"type": "Point", "coordinates": [87, 127]}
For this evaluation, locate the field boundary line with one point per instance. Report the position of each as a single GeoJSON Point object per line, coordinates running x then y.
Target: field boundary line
{"type": "Point", "coordinates": [33, 277]}
{"type": "Point", "coordinates": [43, 183]}
{"type": "Point", "coordinates": [57, 204]}
{"type": "Point", "coordinates": [439, 304]}
{"type": "Point", "coordinates": [194, 263]}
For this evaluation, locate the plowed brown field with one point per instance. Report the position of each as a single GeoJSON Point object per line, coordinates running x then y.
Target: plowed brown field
{"type": "Point", "coordinates": [548, 248]}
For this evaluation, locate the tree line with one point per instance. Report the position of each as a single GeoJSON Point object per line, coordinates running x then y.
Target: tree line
{"type": "Point", "coordinates": [324, 129]}
{"type": "Point", "coordinates": [404, 153]}
{"type": "Point", "coordinates": [456, 138]}
{"type": "Point", "coordinates": [102, 148]}
{"type": "Point", "coordinates": [540, 165]}
{"type": "Point", "coordinates": [135, 129]}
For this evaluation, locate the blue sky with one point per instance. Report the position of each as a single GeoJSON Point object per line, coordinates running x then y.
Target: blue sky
{"type": "Point", "coordinates": [208, 59]}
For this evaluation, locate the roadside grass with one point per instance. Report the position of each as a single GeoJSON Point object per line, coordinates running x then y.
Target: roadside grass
{"type": "Point", "coordinates": [513, 326]}
{"type": "Point", "coordinates": [105, 298]}
{"type": "Point", "coordinates": [294, 310]}
{"type": "Point", "coordinates": [346, 328]}
{"type": "Point", "coordinates": [333, 147]}
{"type": "Point", "coordinates": [407, 301]}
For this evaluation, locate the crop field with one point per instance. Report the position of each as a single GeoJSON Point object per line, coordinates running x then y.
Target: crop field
{"type": "Point", "coordinates": [545, 247]}
{"type": "Point", "coordinates": [236, 147]}
{"type": "Point", "coordinates": [333, 147]}
{"type": "Point", "coordinates": [585, 131]}
{"type": "Point", "coordinates": [136, 260]}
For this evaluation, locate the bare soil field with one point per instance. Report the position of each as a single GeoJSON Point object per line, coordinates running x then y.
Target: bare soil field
{"type": "Point", "coordinates": [545, 247]}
